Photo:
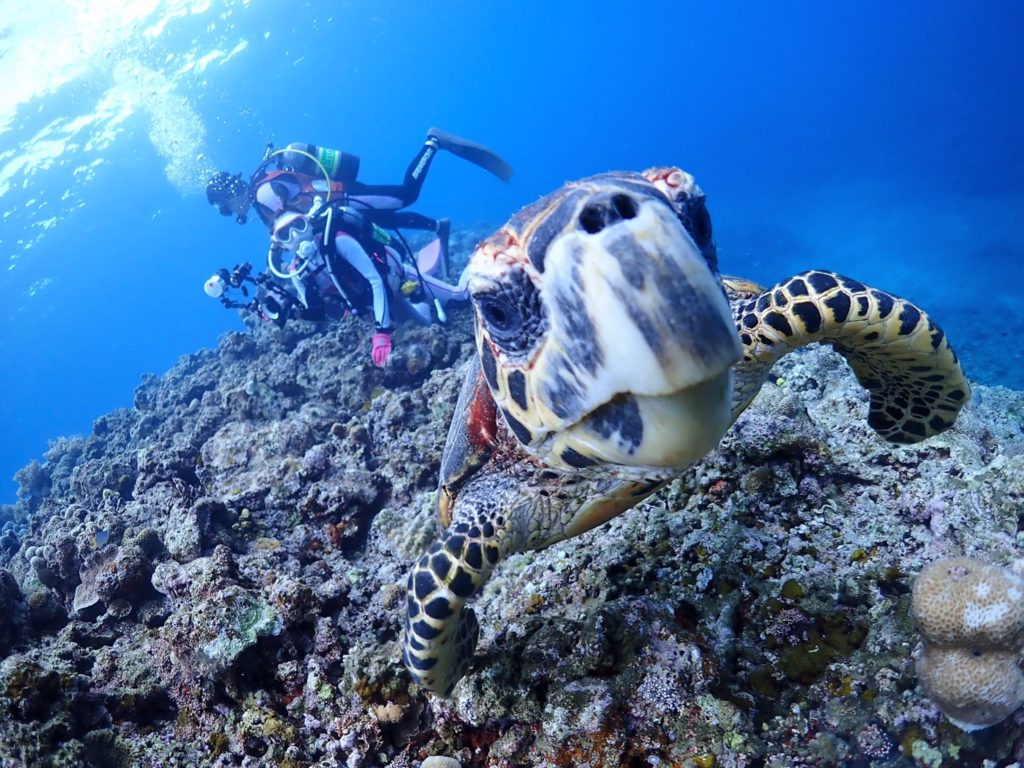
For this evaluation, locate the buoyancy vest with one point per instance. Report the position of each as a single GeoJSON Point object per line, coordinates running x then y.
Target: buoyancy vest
{"type": "Point", "coordinates": [373, 239]}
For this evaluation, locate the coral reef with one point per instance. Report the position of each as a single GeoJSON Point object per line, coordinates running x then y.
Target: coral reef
{"type": "Point", "coordinates": [215, 577]}
{"type": "Point", "coordinates": [971, 618]}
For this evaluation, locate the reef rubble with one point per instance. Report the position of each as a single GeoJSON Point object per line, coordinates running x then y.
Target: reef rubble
{"type": "Point", "coordinates": [215, 577]}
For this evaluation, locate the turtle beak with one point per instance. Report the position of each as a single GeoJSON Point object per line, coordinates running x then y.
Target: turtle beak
{"type": "Point", "coordinates": [636, 368]}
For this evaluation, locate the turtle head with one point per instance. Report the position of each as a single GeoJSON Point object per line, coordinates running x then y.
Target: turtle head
{"type": "Point", "coordinates": [603, 331]}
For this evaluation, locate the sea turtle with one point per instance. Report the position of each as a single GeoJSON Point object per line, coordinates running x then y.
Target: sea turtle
{"type": "Point", "coordinates": [611, 355]}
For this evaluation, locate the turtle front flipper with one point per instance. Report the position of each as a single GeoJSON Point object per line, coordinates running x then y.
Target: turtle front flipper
{"type": "Point", "coordinates": [898, 353]}
{"type": "Point", "coordinates": [440, 632]}
{"type": "Point", "coordinates": [495, 514]}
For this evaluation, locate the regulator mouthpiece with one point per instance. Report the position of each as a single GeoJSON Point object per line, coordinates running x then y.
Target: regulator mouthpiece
{"type": "Point", "coordinates": [306, 250]}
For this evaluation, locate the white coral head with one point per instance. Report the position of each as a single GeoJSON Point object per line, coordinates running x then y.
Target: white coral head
{"type": "Point", "coordinates": [437, 761]}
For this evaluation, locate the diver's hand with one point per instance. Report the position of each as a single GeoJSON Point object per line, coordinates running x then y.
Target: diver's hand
{"type": "Point", "coordinates": [381, 348]}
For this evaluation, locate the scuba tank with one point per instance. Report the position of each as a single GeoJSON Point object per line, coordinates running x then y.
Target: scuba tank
{"type": "Point", "coordinates": [339, 166]}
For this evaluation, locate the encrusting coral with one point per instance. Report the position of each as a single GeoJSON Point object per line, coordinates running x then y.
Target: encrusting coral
{"type": "Point", "coordinates": [971, 618]}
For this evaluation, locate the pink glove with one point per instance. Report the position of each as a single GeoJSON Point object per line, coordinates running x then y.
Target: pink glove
{"type": "Point", "coordinates": [381, 348]}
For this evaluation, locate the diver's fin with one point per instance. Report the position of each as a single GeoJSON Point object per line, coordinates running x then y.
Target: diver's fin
{"type": "Point", "coordinates": [475, 153]}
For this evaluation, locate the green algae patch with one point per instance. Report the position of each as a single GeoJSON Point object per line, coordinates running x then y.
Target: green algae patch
{"type": "Point", "coordinates": [830, 641]}
{"type": "Point", "coordinates": [793, 589]}
{"type": "Point", "coordinates": [31, 689]}
{"type": "Point", "coordinates": [250, 620]}
{"type": "Point", "coordinates": [925, 754]}
{"type": "Point", "coordinates": [762, 680]}
{"type": "Point", "coordinates": [218, 743]}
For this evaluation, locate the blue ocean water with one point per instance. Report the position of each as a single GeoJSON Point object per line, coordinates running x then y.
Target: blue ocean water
{"type": "Point", "coordinates": [878, 139]}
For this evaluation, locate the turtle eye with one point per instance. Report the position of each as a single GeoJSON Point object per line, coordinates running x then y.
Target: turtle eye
{"type": "Point", "coordinates": [701, 223]}
{"type": "Point", "coordinates": [698, 224]}
{"type": "Point", "coordinates": [502, 318]}
{"type": "Point", "coordinates": [511, 314]}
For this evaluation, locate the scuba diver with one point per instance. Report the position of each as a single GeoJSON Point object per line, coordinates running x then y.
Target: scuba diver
{"type": "Point", "coordinates": [342, 238]}
{"type": "Point", "coordinates": [293, 176]}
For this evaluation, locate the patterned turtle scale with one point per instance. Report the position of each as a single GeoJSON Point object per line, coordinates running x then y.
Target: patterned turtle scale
{"type": "Point", "coordinates": [898, 353]}
{"type": "Point", "coordinates": [611, 356]}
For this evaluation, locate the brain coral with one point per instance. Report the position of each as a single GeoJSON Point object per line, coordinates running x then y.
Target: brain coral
{"type": "Point", "coordinates": [974, 688]}
{"type": "Point", "coordinates": [971, 618]}
{"type": "Point", "coordinates": [960, 600]}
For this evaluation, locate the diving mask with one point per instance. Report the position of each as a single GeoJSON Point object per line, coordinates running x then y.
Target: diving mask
{"type": "Point", "coordinates": [290, 229]}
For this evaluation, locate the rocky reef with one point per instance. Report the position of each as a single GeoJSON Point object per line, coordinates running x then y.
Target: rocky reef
{"type": "Point", "coordinates": [215, 577]}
